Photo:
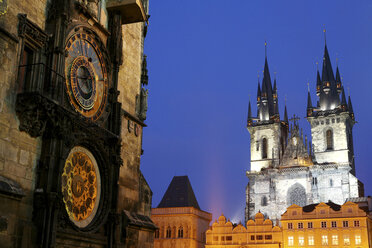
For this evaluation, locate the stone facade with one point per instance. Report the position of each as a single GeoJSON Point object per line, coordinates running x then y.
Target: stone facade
{"type": "Point", "coordinates": [38, 126]}
{"type": "Point", "coordinates": [288, 170]}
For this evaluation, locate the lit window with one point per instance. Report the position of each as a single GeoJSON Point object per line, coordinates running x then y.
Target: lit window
{"type": "Point", "coordinates": [301, 241]}
{"type": "Point", "coordinates": [180, 232]}
{"type": "Point", "coordinates": [356, 223]}
{"type": "Point", "coordinates": [310, 225]}
{"type": "Point", "coordinates": [252, 237]}
{"type": "Point", "coordinates": [300, 225]}
{"type": "Point", "coordinates": [334, 240]}
{"type": "Point", "coordinates": [268, 237]}
{"type": "Point", "coordinates": [346, 240]}
{"type": "Point", "coordinates": [228, 238]}
{"type": "Point", "coordinates": [358, 240]}
{"type": "Point", "coordinates": [168, 233]}
{"type": "Point", "coordinates": [324, 224]}
{"type": "Point", "coordinates": [324, 240]}
{"type": "Point", "coordinates": [259, 237]}
{"type": "Point", "coordinates": [311, 240]}
{"type": "Point", "coordinates": [334, 224]}
{"type": "Point", "coordinates": [290, 240]}
{"type": "Point", "coordinates": [290, 226]}
{"type": "Point", "coordinates": [345, 223]}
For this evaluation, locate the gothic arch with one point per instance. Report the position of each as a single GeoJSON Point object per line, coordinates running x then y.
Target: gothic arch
{"type": "Point", "coordinates": [329, 139]}
{"type": "Point", "coordinates": [296, 194]}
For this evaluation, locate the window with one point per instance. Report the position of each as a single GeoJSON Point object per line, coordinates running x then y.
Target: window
{"type": "Point", "coordinates": [300, 225]}
{"type": "Point", "coordinates": [264, 148]}
{"type": "Point", "coordinates": [263, 201]}
{"type": "Point", "coordinates": [346, 240]}
{"type": "Point", "coordinates": [345, 223]}
{"type": "Point", "coordinates": [301, 241]}
{"type": "Point", "coordinates": [252, 237]}
{"type": "Point", "coordinates": [322, 211]}
{"type": "Point", "coordinates": [290, 240]}
{"type": "Point", "coordinates": [329, 135]}
{"type": "Point", "coordinates": [259, 237]}
{"type": "Point", "coordinates": [334, 224]}
{"type": "Point", "coordinates": [334, 240]}
{"type": "Point", "coordinates": [315, 181]}
{"type": "Point", "coordinates": [356, 223]}
{"type": "Point", "coordinates": [228, 238]}
{"type": "Point", "coordinates": [222, 238]}
{"type": "Point", "coordinates": [294, 213]}
{"type": "Point", "coordinates": [324, 240]}
{"type": "Point", "coordinates": [290, 226]}
{"type": "Point", "coordinates": [168, 232]}
{"type": "Point", "coordinates": [268, 237]}
{"type": "Point", "coordinates": [180, 232]}
{"type": "Point", "coordinates": [330, 182]}
{"type": "Point", "coordinates": [310, 225]}
{"type": "Point", "coordinates": [358, 240]}
{"type": "Point", "coordinates": [324, 224]}
{"type": "Point", "coordinates": [25, 67]}
{"type": "Point", "coordinates": [311, 240]}
{"type": "Point", "coordinates": [257, 145]}
{"type": "Point", "coordinates": [157, 233]}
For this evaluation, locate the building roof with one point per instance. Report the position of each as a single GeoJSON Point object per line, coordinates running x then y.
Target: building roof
{"type": "Point", "coordinates": [179, 194]}
{"type": "Point", "coordinates": [311, 207]}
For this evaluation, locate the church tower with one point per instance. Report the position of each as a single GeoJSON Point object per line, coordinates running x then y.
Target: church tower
{"type": "Point", "coordinates": [268, 132]}
{"type": "Point", "coordinates": [331, 119]}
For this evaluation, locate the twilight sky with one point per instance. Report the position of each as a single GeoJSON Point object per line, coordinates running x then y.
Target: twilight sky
{"type": "Point", "coordinates": [203, 61]}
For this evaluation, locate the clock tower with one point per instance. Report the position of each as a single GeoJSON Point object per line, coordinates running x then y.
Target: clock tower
{"type": "Point", "coordinates": [79, 107]}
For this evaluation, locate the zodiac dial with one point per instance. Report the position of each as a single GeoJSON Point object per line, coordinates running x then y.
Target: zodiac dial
{"type": "Point", "coordinates": [86, 75]}
{"type": "Point", "coordinates": [81, 186]}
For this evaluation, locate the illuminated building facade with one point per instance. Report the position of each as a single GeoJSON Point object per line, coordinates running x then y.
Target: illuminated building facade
{"type": "Point", "coordinates": [72, 110]}
{"type": "Point", "coordinates": [315, 225]}
{"type": "Point", "coordinates": [259, 232]}
{"type": "Point", "coordinates": [286, 168]}
{"type": "Point", "coordinates": [181, 222]}
{"type": "Point", "coordinates": [327, 225]}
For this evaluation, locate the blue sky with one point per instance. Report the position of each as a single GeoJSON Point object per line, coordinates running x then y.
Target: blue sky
{"type": "Point", "coordinates": [203, 59]}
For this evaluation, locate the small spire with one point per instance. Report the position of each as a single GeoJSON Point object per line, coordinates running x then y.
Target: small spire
{"type": "Point", "coordinates": [285, 114]}
{"type": "Point", "coordinates": [265, 49]}
{"type": "Point", "coordinates": [309, 103]}
{"type": "Point", "coordinates": [350, 106]}
{"type": "Point", "coordinates": [325, 34]}
{"type": "Point", "coordinates": [258, 91]}
{"type": "Point", "coordinates": [249, 113]}
{"type": "Point", "coordinates": [308, 87]}
{"type": "Point", "coordinates": [343, 100]}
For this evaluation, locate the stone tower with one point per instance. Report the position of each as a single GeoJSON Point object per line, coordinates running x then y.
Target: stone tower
{"type": "Point", "coordinates": [268, 132]}
{"type": "Point", "coordinates": [332, 119]}
{"type": "Point", "coordinates": [72, 111]}
{"type": "Point", "coordinates": [298, 171]}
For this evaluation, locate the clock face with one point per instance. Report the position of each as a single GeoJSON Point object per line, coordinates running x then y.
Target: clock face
{"type": "Point", "coordinates": [81, 186]}
{"type": "Point", "coordinates": [86, 75]}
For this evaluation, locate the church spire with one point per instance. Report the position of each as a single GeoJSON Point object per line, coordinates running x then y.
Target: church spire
{"type": "Point", "coordinates": [309, 104]}
{"type": "Point", "coordinates": [249, 120]}
{"type": "Point", "coordinates": [318, 83]}
{"type": "Point", "coordinates": [343, 100]}
{"type": "Point", "coordinates": [285, 114]}
{"type": "Point", "coordinates": [350, 107]}
{"type": "Point", "coordinates": [338, 81]}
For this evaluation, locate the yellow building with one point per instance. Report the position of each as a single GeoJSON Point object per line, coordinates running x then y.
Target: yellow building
{"type": "Point", "coordinates": [258, 233]}
{"type": "Point", "coordinates": [326, 225]}
{"type": "Point", "coordinates": [181, 222]}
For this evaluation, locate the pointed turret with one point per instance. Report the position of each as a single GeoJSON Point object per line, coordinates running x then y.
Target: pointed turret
{"type": "Point", "coordinates": [343, 100]}
{"type": "Point", "coordinates": [318, 84]}
{"type": "Point", "coordinates": [328, 94]}
{"type": "Point", "coordinates": [327, 72]}
{"type": "Point", "coordinates": [258, 92]}
{"type": "Point", "coordinates": [350, 107]}
{"type": "Point", "coordinates": [338, 81]}
{"type": "Point", "coordinates": [309, 104]}
{"type": "Point", "coordinates": [249, 120]}
{"type": "Point", "coordinates": [285, 114]}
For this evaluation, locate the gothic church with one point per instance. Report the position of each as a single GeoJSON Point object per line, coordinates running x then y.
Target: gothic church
{"type": "Point", "coordinates": [285, 168]}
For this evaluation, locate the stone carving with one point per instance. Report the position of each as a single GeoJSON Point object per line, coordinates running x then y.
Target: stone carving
{"type": "Point", "coordinates": [31, 31]}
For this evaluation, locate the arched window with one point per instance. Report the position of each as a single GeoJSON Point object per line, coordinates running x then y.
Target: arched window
{"type": "Point", "coordinates": [296, 195]}
{"type": "Point", "coordinates": [180, 232]}
{"type": "Point", "coordinates": [329, 136]}
{"type": "Point", "coordinates": [264, 148]}
{"type": "Point", "coordinates": [264, 201]}
{"type": "Point", "coordinates": [168, 233]}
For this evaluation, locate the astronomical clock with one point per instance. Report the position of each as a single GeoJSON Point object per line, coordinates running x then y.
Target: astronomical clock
{"type": "Point", "coordinates": [72, 105]}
